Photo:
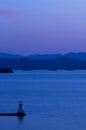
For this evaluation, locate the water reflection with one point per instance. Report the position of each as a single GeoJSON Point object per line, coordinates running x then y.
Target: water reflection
{"type": "Point", "coordinates": [20, 119]}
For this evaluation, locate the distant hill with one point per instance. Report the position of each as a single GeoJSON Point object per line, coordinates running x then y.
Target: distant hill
{"type": "Point", "coordinates": [10, 56]}
{"type": "Point", "coordinates": [70, 61]}
{"type": "Point", "coordinates": [62, 63]}
{"type": "Point", "coordinates": [42, 57]}
{"type": "Point", "coordinates": [80, 55]}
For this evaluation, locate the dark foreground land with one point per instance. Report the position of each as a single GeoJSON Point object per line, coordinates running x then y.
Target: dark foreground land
{"type": "Point", "coordinates": [5, 70]}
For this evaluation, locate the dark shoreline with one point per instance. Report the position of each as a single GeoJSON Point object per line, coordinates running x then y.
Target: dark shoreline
{"type": "Point", "coordinates": [6, 70]}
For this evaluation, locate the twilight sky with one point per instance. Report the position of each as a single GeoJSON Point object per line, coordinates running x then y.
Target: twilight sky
{"type": "Point", "coordinates": [42, 26]}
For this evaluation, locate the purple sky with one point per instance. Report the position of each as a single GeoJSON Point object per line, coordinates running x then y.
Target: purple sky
{"type": "Point", "coordinates": [42, 26]}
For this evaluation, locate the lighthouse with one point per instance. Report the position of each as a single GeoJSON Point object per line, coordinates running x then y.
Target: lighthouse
{"type": "Point", "coordinates": [20, 110]}
{"type": "Point", "coordinates": [20, 106]}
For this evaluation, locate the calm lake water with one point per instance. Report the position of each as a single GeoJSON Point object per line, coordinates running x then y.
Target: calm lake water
{"type": "Point", "coordinates": [52, 100]}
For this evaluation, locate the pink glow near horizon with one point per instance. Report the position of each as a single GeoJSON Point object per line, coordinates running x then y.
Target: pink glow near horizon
{"type": "Point", "coordinates": [8, 13]}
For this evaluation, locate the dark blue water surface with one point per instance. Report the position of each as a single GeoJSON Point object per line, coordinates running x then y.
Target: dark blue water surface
{"type": "Point", "coordinates": [52, 100]}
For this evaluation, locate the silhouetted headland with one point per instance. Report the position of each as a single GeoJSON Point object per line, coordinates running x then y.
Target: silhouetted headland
{"type": "Point", "coordinates": [6, 70]}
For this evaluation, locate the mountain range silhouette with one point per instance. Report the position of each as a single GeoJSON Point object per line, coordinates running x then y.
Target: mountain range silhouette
{"type": "Point", "coordinates": [69, 61]}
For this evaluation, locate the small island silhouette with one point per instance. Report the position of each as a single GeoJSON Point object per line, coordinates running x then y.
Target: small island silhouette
{"type": "Point", "coordinates": [6, 70]}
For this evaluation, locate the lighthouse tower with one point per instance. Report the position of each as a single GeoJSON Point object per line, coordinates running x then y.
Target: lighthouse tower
{"type": "Point", "coordinates": [20, 110]}
{"type": "Point", "coordinates": [20, 106]}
